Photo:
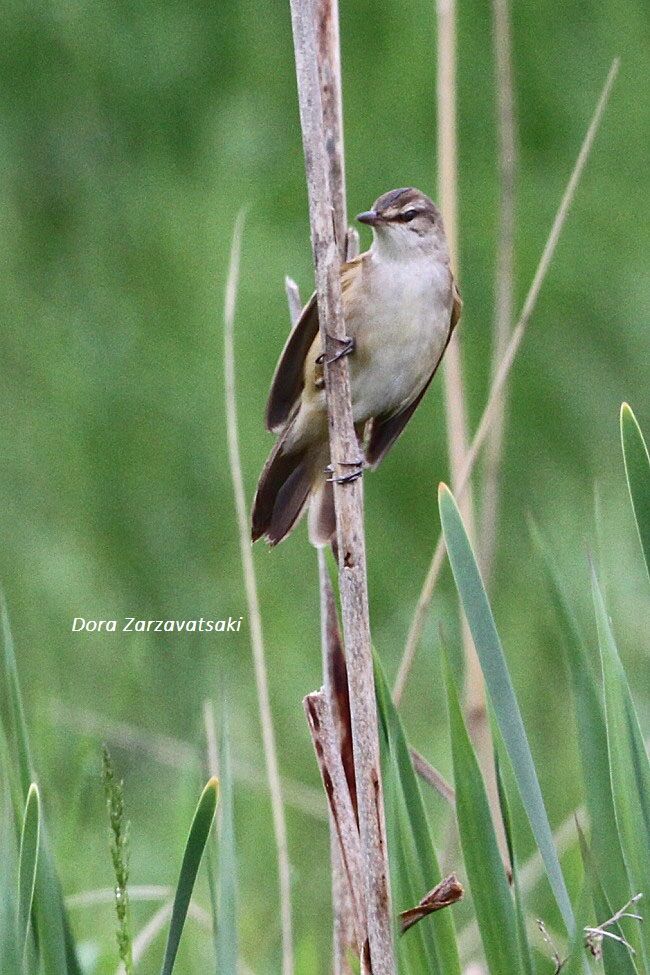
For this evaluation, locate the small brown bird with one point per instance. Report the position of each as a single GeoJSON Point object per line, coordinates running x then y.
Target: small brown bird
{"type": "Point", "coordinates": [400, 306]}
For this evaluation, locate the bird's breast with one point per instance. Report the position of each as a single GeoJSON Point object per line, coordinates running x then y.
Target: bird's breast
{"type": "Point", "coordinates": [400, 321]}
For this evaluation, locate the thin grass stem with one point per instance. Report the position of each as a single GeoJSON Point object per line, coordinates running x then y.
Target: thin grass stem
{"type": "Point", "coordinates": [505, 274]}
{"type": "Point", "coordinates": [255, 618]}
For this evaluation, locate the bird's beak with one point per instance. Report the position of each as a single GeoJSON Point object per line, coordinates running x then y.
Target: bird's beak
{"type": "Point", "coordinates": [371, 217]}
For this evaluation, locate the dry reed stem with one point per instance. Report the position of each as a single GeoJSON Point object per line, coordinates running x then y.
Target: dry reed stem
{"type": "Point", "coordinates": [257, 638]}
{"type": "Point", "coordinates": [478, 722]}
{"type": "Point", "coordinates": [424, 601]}
{"type": "Point", "coordinates": [456, 407]}
{"type": "Point", "coordinates": [433, 777]}
{"type": "Point", "coordinates": [348, 497]}
{"type": "Point", "coordinates": [343, 937]}
{"type": "Point", "coordinates": [504, 277]}
{"type": "Point", "coordinates": [344, 912]}
{"type": "Point", "coordinates": [323, 732]}
{"type": "Point", "coordinates": [329, 66]}
{"type": "Point", "coordinates": [447, 194]}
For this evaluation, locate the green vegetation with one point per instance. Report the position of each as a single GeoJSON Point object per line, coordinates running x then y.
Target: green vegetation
{"type": "Point", "coordinates": [131, 136]}
{"type": "Point", "coordinates": [35, 926]}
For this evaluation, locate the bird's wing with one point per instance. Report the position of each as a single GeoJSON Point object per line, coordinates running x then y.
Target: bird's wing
{"type": "Point", "coordinates": [288, 380]}
{"type": "Point", "coordinates": [385, 430]}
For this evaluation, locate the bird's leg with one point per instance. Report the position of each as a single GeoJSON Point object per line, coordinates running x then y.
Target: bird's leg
{"type": "Point", "coordinates": [346, 346]}
{"type": "Point", "coordinates": [354, 474]}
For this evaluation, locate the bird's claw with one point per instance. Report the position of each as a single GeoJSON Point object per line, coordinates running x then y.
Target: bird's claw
{"type": "Point", "coordinates": [354, 475]}
{"type": "Point", "coordinates": [347, 347]}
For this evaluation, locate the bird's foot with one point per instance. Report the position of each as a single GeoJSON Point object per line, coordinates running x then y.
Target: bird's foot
{"type": "Point", "coordinates": [346, 347]}
{"type": "Point", "coordinates": [354, 474]}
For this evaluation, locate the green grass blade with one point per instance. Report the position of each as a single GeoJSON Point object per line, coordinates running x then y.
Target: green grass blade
{"type": "Point", "coordinates": [637, 470]}
{"type": "Point", "coordinates": [487, 879]}
{"type": "Point", "coordinates": [592, 739]}
{"type": "Point", "coordinates": [497, 680]}
{"type": "Point", "coordinates": [414, 853]}
{"type": "Point", "coordinates": [196, 841]}
{"type": "Point", "coordinates": [628, 762]}
{"type": "Point", "coordinates": [520, 909]}
{"type": "Point", "coordinates": [227, 865]}
{"type": "Point", "coordinates": [414, 951]}
{"type": "Point", "coordinates": [27, 863]}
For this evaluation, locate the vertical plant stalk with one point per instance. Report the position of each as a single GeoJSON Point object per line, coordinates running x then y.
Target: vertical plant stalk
{"type": "Point", "coordinates": [456, 407]}
{"type": "Point", "coordinates": [487, 417]}
{"type": "Point", "coordinates": [119, 825]}
{"type": "Point", "coordinates": [505, 274]}
{"type": "Point", "coordinates": [348, 498]}
{"type": "Point", "coordinates": [344, 939]}
{"type": "Point", "coordinates": [344, 844]}
{"type": "Point", "coordinates": [448, 197]}
{"type": "Point", "coordinates": [323, 731]}
{"type": "Point", "coordinates": [329, 67]}
{"type": "Point", "coordinates": [255, 618]}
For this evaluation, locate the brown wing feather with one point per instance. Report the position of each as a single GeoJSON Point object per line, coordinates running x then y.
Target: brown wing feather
{"type": "Point", "coordinates": [384, 431]}
{"type": "Point", "coordinates": [288, 380]}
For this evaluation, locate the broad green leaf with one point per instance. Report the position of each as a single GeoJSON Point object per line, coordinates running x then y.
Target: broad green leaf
{"type": "Point", "coordinates": [628, 762]}
{"type": "Point", "coordinates": [497, 679]}
{"type": "Point", "coordinates": [27, 863]}
{"type": "Point", "coordinates": [415, 852]}
{"type": "Point", "coordinates": [487, 879]}
{"type": "Point", "coordinates": [592, 739]}
{"type": "Point", "coordinates": [637, 470]}
{"type": "Point", "coordinates": [520, 908]}
{"type": "Point", "coordinates": [196, 841]}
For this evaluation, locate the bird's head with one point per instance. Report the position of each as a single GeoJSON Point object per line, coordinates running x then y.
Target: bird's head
{"type": "Point", "coordinates": [404, 223]}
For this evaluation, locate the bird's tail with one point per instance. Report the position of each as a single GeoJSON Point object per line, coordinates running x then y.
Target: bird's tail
{"type": "Point", "coordinates": [286, 483]}
{"type": "Point", "coordinates": [322, 516]}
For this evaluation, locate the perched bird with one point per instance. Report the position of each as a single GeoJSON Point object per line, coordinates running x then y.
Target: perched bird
{"type": "Point", "coordinates": [400, 306]}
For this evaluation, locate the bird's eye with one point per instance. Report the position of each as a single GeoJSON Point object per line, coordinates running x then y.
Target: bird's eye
{"type": "Point", "coordinates": [407, 215]}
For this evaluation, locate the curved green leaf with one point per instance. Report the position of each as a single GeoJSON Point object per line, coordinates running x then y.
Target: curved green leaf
{"type": "Point", "coordinates": [628, 761]}
{"type": "Point", "coordinates": [520, 910]}
{"type": "Point", "coordinates": [28, 862]}
{"type": "Point", "coordinates": [637, 470]}
{"type": "Point", "coordinates": [196, 841]}
{"type": "Point", "coordinates": [502, 695]}
{"type": "Point", "coordinates": [487, 879]}
{"type": "Point", "coordinates": [430, 945]}
{"type": "Point", "coordinates": [592, 739]}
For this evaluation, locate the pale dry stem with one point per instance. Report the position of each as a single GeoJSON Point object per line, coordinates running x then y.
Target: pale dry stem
{"type": "Point", "coordinates": [254, 615]}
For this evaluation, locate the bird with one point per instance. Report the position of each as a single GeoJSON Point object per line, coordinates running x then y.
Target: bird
{"type": "Point", "coordinates": [400, 306]}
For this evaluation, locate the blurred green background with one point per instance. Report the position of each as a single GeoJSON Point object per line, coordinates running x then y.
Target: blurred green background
{"type": "Point", "coordinates": [130, 136]}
